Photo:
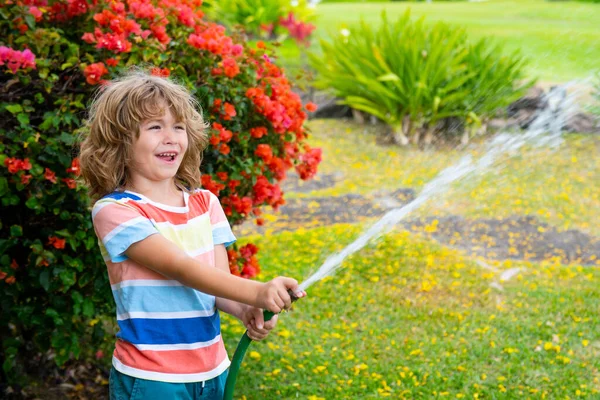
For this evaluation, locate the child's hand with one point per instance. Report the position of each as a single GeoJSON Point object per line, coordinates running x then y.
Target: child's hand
{"type": "Point", "coordinates": [274, 295]}
{"type": "Point", "coordinates": [254, 321]}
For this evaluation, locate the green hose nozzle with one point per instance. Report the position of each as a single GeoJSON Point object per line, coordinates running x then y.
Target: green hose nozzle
{"type": "Point", "coordinates": [240, 352]}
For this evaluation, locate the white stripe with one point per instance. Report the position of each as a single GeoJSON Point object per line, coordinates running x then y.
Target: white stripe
{"type": "Point", "coordinates": [165, 207]}
{"type": "Point", "coordinates": [122, 226]}
{"type": "Point", "coordinates": [222, 224]}
{"type": "Point", "coordinates": [180, 346]}
{"type": "Point", "coordinates": [165, 315]}
{"type": "Point", "coordinates": [99, 206]}
{"type": "Point", "coordinates": [197, 252]}
{"type": "Point", "coordinates": [144, 282]}
{"type": "Point", "coordinates": [172, 378]}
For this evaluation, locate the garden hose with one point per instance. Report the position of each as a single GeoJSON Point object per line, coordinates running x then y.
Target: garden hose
{"type": "Point", "coordinates": [240, 352]}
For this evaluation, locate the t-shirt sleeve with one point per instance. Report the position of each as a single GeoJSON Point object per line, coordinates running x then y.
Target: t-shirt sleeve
{"type": "Point", "coordinates": [118, 226]}
{"type": "Point", "coordinates": [221, 230]}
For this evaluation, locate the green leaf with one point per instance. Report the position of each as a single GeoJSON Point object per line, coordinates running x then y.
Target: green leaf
{"type": "Point", "coordinates": [3, 186]}
{"type": "Point", "coordinates": [14, 108]}
{"type": "Point", "coordinates": [23, 119]}
{"type": "Point", "coordinates": [16, 230]}
{"type": "Point", "coordinates": [88, 308]}
{"type": "Point", "coordinates": [45, 279]}
{"type": "Point", "coordinates": [67, 277]}
{"type": "Point", "coordinates": [33, 203]}
{"type": "Point", "coordinates": [388, 77]}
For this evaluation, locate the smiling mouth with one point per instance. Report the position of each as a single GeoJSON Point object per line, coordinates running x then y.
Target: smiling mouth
{"type": "Point", "coordinates": [167, 156]}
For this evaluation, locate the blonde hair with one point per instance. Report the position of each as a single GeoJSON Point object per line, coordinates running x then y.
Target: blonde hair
{"type": "Point", "coordinates": [115, 115]}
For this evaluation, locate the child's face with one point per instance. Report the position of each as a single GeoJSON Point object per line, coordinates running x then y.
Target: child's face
{"type": "Point", "coordinates": [159, 149]}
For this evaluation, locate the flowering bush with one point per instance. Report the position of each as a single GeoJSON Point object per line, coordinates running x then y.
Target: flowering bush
{"type": "Point", "coordinates": [53, 55]}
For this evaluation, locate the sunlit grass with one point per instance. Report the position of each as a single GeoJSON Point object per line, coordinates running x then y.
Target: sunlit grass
{"type": "Point", "coordinates": [406, 318]}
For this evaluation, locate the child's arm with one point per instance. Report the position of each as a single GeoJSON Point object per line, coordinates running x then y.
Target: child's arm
{"type": "Point", "coordinates": [251, 317]}
{"type": "Point", "coordinates": [164, 257]}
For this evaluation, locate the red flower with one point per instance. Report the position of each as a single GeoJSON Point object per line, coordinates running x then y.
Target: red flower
{"type": "Point", "coordinates": [49, 175]}
{"type": "Point", "coordinates": [224, 149]}
{"type": "Point", "coordinates": [164, 73]}
{"type": "Point", "coordinates": [225, 135]}
{"type": "Point", "coordinates": [26, 166]}
{"type": "Point", "coordinates": [214, 140]}
{"type": "Point", "coordinates": [230, 67]}
{"type": "Point", "coordinates": [312, 107]}
{"type": "Point", "coordinates": [71, 183]}
{"type": "Point", "coordinates": [229, 111]}
{"type": "Point", "coordinates": [14, 264]}
{"type": "Point", "coordinates": [222, 176]}
{"type": "Point", "coordinates": [10, 280]}
{"type": "Point", "coordinates": [25, 179]}
{"type": "Point", "coordinates": [233, 184]}
{"type": "Point", "coordinates": [75, 168]}
{"type": "Point", "coordinates": [56, 242]}
{"type": "Point", "coordinates": [248, 250]}
{"type": "Point", "coordinates": [212, 186]}
{"type": "Point", "coordinates": [111, 61]}
{"type": "Point", "coordinates": [94, 73]}
{"type": "Point", "coordinates": [258, 132]}
{"type": "Point", "coordinates": [14, 164]}
{"type": "Point", "coordinates": [264, 151]}
{"type": "Point", "coordinates": [308, 163]}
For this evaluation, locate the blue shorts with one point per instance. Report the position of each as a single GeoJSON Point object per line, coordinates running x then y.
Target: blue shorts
{"type": "Point", "coordinates": [125, 387]}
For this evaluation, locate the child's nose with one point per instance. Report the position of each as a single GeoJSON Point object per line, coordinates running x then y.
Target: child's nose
{"type": "Point", "coordinates": [170, 135]}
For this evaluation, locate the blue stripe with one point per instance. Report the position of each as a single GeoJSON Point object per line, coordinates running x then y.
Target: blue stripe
{"type": "Point", "coordinates": [121, 195]}
{"type": "Point", "coordinates": [161, 299]}
{"type": "Point", "coordinates": [169, 331]}
{"type": "Point", "coordinates": [119, 243]}
{"type": "Point", "coordinates": [223, 235]}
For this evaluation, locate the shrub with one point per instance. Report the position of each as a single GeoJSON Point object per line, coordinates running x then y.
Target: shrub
{"type": "Point", "coordinates": [267, 18]}
{"type": "Point", "coordinates": [413, 76]}
{"type": "Point", "coordinates": [53, 55]}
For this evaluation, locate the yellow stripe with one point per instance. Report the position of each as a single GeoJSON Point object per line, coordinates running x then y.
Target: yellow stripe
{"type": "Point", "coordinates": [196, 235]}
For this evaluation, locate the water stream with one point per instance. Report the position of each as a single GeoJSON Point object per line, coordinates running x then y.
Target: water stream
{"type": "Point", "coordinates": [545, 130]}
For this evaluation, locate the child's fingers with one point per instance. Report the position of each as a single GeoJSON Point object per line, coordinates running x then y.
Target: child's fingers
{"type": "Point", "coordinates": [270, 324]}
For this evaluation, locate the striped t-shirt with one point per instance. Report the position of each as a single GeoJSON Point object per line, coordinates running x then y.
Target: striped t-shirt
{"type": "Point", "coordinates": [167, 332]}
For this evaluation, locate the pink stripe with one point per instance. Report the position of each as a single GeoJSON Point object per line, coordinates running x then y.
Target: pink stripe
{"type": "Point", "coordinates": [111, 216]}
{"type": "Point", "coordinates": [130, 270]}
{"type": "Point", "coordinates": [195, 361]}
{"type": "Point", "coordinates": [216, 212]}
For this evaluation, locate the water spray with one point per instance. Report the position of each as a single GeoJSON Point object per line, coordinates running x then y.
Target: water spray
{"type": "Point", "coordinates": [240, 352]}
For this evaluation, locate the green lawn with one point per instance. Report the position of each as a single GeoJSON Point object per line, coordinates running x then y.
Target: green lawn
{"type": "Point", "coordinates": [407, 318]}
{"type": "Point", "coordinates": [561, 38]}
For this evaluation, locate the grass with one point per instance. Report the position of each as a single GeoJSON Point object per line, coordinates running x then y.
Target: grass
{"type": "Point", "coordinates": [560, 38]}
{"type": "Point", "coordinates": [406, 318]}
